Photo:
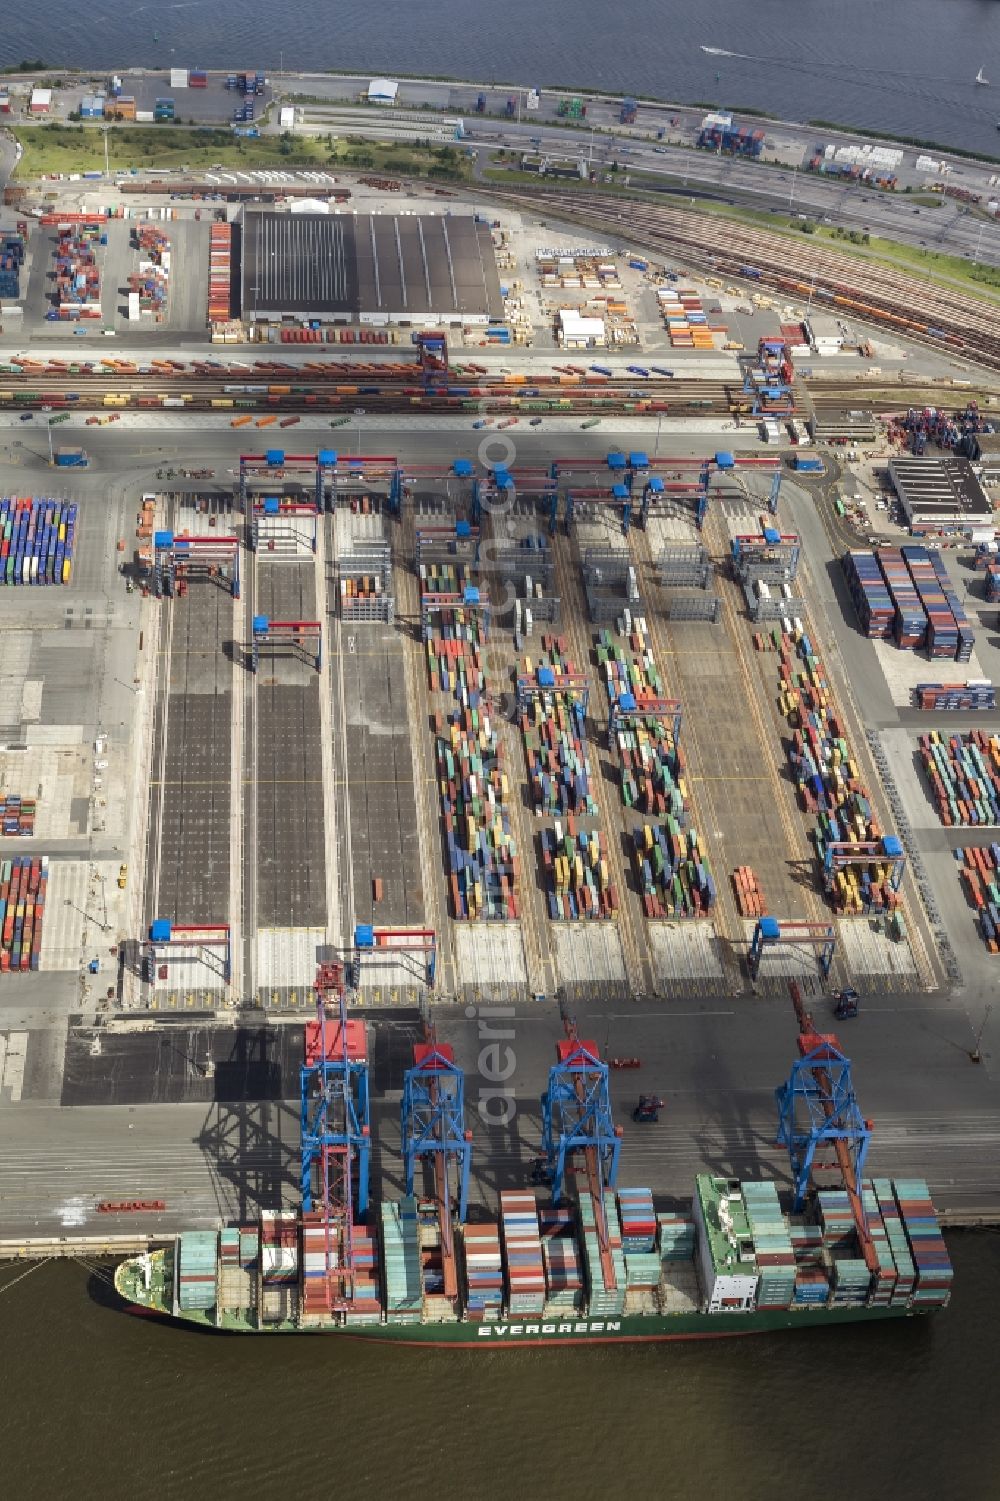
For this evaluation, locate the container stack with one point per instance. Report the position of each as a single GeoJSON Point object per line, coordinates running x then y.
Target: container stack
{"type": "Point", "coordinates": [577, 872]}
{"type": "Point", "coordinates": [980, 876]}
{"type": "Point", "coordinates": [672, 871]}
{"type": "Point", "coordinates": [869, 595]}
{"type": "Point", "coordinates": [885, 1276]}
{"type": "Point", "coordinates": [603, 1301]}
{"type": "Point", "coordinates": [966, 635]}
{"type": "Point", "coordinates": [364, 1303]}
{"type": "Point", "coordinates": [220, 273]}
{"type": "Point", "coordinates": [321, 1260]}
{"type": "Point", "coordinates": [23, 888]}
{"type": "Point", "coordinates": [148, 286]}
{"type": "Point", "coordinates": [837, 1222]}
{"type": "Point", "coordinates": [522, 1253]}
{"type": "Point", "coordinates": [675, 1237]}
{"type": "Point", "coordinates": [906, 1272]}
{"type": "Point", "coordinates": [11, 263]}
{"type": "Point", "coordinates": [401, 1260]}
{"type": "Point", "coordinates": [910, 619]}
{"type": "Point", "coordinates": [483, 1273]}
{"type": "Point", "coordinates": [812, 1284]}
{"type": "Point", "coordinates": [249, 1247]}
{"type": "Point", "coordinates": [37, 540]}
{"type": "Point", "coordinates": [78, 280]}
{"type": "Point", "coordinates": [961, 698]}
{"type": "Point", "coordinates": [749, 893]}
{"type": "Point", "coordinates": [637, 1219]}
{"type": "Point", "coordinates": [942, 632]}
{"type": "Point", "coordinates": [827, 777]}
{"type": "Point", "coordinates": [279, 1250]}
{"type": "Point", "coordinates": [927, 1247]}
{"type": "Point", "coordinates": [851, 1282]}
{"type": "Point", "coordinates": [992, 583]}
{"type": "Point", "coordinates": [17, 816]}
{"type": "Point", "coordinates": [652, 767]}
{"type": "Point", "coordinates": [773, 1251]}
{"type": "Point", "coordinates": [564, 1287]}
{"type": "Point", "coordinates": [964, 776]}
{"type": "Point", "coordinates": [474, 790]}
{"type": "Point", "coordinates": [198, 1270]}
{"type": "Point", "coordinates": [552, 725]}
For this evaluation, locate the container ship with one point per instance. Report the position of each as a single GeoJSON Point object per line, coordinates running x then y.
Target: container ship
{"type": "Point", "coordinates": [593, 1263]}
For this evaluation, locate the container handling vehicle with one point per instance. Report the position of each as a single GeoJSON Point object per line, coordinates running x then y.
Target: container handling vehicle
{"type": "Point", "coordinates": [571, 1259]}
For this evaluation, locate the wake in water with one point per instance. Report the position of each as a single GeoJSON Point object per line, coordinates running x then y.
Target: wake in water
{"type": "Point", "coordinates": [891, 81]}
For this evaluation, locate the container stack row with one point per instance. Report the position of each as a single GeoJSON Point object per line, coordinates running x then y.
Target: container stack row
{"type": "Point", "coordinates": [24, 885]}
{"type": "Point", "coordinates": [812, 1281]}
{"type": "Point", "coordinates": [773, 1250]}
{"type": "Point", "coordinates": [78, 279]}
{"type": "Point", "coordinates": [684, 318]}
{"type": "Point", "coordinates": [37, 540]}
{"type": "Point", "coordinates": [522, 1244]}
{"type": "Point", "coordinates": [964, 776]}
{"type": "Point", "coordinates": [869, 595]}
{"type": "Point", "coordinates": [483, 865]}
{"type": "Point", "coordinates": [927, 1247]}
{"type": "Point", "coordinates": [483, 1273]}
{"type": "Point", "coordinates": [749, 893]}
{"type": "Point", "coordinates": [564, 1287]}
{"type": "Point", "coordinates": [651, 763]}
{"type": "Point", "coordinates": [905, 594]}
{"type": "Point", "coordinates": [884, 1282]}
{"type": "Point", "coordinates": [220, 273]}
{"type": "Point", "coordinates": [149, 285]}
{"type": "Point", "coordinates": [672, 871]}
{"type": "Point", "coordinates": [17, 816]}
{"type": "Point", "coordinates": [573, 848]}
{"type": "Point", "coordinates": [555, 745]}
{"type": "Point", "coordinates": [828, 778]}
{"type": "Point", "coordinates": [944, 639]}
{"type": "Point", "coordinates": [992, 583]}
{"type": "Point", "coordinates": [955, 697]}
{"type": "Point", "coordinates": [197, 1272]}
{"type": "Point", "coordinates": [899, 1246]}
{"type": "Point", "coordinates": [980, 876]}
{"type": "Point", "coordinates": [910, 619]}
{"type": "Point", "coordinates": [473, 786]}
{"type": "Point", "coordinates": [11, 264]}
{"type": "Point", "coordinates": [604, 1301]}
{"type": "Point", "coordinates": [401, 1260]}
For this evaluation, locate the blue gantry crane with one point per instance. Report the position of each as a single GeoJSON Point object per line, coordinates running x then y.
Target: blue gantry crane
{"type": "Point", "coordinates": [769, 933]}
{"type": "Point", "coordinates": [818, 1111]}
{"type": "Point", "coordinates": [577, 1117]}
{"type": "Point", "coordinates": [336, 1129]}
{"type": "Point", "coordinates": [432, 1121]}
{"type": "Point", "coordinates": [432, 358]}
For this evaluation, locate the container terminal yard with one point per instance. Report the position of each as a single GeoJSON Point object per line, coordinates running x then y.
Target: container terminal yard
{"type": "Point", "coordinates": [532, 695]}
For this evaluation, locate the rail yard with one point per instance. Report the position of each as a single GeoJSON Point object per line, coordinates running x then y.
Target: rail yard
{"type": "Point", "coordinates": [500, 687]}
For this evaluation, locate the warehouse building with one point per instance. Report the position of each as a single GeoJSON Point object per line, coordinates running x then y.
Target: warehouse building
{"type": "Point", "coordinates": [939, 493]}
{"type": "Point", "coordinates": [369, 268]}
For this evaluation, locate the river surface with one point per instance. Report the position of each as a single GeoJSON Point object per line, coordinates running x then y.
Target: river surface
{"type": "Point", "coordinates": [101, 1406]}
{"type": "Point", "coordinates": [901, 66]}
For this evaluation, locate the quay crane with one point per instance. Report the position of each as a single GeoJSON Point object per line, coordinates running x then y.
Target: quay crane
{"type": "Point", "coordinates": [432, 1119]}
{"type": "Point", "coordinates": [821, 1082]}
{"type": "Point", "coordinates": [576, 1117]}
{"type": "Point", "coordinates": [336, 1129]}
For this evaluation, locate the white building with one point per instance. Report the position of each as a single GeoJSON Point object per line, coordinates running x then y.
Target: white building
{"type": "Point", "coordinates": [578, 332]}
{"type": "Point", "coordinates": [382, 91]}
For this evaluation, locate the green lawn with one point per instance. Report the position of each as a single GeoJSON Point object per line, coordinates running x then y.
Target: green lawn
{"type": "Point", "coordinates": [72, 148]}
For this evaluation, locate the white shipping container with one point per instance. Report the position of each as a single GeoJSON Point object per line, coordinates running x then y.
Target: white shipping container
{"type": "Point", "coordinates": [178, 78]}
{"type": "Point", "coordinates": [287, 117]}
{"type": "Point", "coordinates": [144, 117]}
{"type": "Point", "coordinates": [133, 307]}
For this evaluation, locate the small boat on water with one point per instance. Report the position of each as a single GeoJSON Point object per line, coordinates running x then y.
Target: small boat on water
{"type": "Point", "coordinates": [980, 79]}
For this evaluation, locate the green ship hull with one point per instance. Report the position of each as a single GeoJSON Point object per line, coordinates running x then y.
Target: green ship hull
{"type": "Point", "coordinates": [157, 1302]}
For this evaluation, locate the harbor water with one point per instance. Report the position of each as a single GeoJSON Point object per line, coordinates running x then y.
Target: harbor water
{"type": "Point", "coordinates": [903, 66]}
{"type": "Point", "coordinates": [102, 1406]}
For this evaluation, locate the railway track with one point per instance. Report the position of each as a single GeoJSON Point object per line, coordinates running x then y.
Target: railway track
{"type": "Point", "coordinates": [947, 318]}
